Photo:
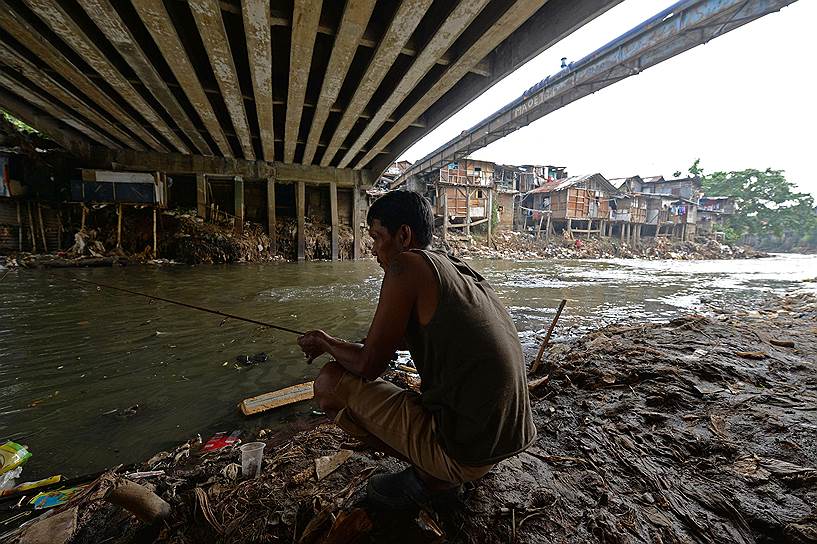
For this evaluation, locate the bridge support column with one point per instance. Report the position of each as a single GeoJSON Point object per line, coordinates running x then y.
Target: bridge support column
{"type": "Point", "coordinates": [271, 219]}
{"type": "Point", "coordinates": [356, 222]}
{"type": "Point", "coordinates": [333, 208]}
{"type": "Point", "coordinates": [201, 196]}
{"type": "Point", "coordinates": [300, 207]}
{"type": "Point", "coordinates": [239, 203]}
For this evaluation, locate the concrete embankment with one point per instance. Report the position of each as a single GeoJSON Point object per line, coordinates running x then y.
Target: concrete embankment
{"type": "Point", "coordinates": [696, 429]}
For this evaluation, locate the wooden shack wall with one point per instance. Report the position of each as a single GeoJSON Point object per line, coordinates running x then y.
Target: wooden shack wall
{"type": "Point", "coordinates": [505, 203]}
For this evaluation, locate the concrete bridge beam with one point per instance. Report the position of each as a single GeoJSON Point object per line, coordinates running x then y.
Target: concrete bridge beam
{"type": "Point", "coordinates": [305, 18]}
{"type": "Point", "coordinates": [208, 19]}
{"type": "Point", "coordinates": [405, 20]}
{"type": "Point", "coordinates": [61, 23]}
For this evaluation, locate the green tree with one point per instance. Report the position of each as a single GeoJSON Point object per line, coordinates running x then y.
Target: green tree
{"type": "Point", "coordinates": [767, 203]}
{"type": "Point", "coordinates": [695, 170]}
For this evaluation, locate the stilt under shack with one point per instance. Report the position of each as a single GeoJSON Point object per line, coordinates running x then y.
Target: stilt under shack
{"type": "Point", "coordinates": [300, 204]}
{"type": "Point", "coordinates": [548, 227]}
{"type": "Point", "coordinates": [271, 217]}
{"type": "Point", "coordinates": [31, 228]}
{"type": "Point", "coordinates": [333, 210]}
{"type": "Point", "coordinates": [19, 228]}
{"type": "Point", "coordinates": [119, 212]}
{"type": "Point", "coordinates": [490, 212]}
{"type": "Point", "coordinates": [42, 227]}
{"type": "Point", "coordinates": [155, 244]}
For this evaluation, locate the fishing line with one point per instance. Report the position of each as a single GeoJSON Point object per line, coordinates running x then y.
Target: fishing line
{"type": "Point", "coordinates": [192, 306]}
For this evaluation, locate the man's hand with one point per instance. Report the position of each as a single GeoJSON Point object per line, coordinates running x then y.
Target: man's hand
{"type": "Point", "coordinates": [314, 344]}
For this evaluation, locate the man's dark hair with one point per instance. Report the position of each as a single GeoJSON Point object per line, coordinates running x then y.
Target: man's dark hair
{"type": "Point", "coordinates": [397, 208]}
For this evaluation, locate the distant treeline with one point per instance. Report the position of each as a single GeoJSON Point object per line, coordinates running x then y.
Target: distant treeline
{"type": "Point", "coordinates": [770, 214]}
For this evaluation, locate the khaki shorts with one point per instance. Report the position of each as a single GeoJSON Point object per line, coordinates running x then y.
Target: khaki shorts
{"type": "Point", "coordinates": [396, 417]}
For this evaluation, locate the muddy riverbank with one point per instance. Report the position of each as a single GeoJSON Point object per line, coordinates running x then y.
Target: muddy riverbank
{"type": "Point", "coordinates": [186, 239]}
{"type": "Point", "coordinates": [519, 246]}
{"type": "Point", "coordinates": [701, 429]}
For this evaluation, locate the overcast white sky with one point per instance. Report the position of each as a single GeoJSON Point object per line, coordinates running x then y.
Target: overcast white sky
{"type": "Point", "coordinates": [747, 99]}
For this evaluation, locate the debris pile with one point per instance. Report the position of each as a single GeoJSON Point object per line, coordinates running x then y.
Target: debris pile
{"type": "Point", "coordinates": [317, 239]}
{"type": "Point", "coordinates": [194, 241]}
{"type": "Point", "coordinates": [519, 245]}
{"type": "Point", "coordinates": [701, 429]}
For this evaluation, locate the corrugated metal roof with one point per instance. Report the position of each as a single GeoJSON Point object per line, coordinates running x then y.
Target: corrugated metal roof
{"type": "Point", "coordinates": [561, 184]}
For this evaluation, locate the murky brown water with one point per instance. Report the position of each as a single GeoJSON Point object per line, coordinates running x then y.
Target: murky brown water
{"type": "Point", "coordinates": [69, 353]}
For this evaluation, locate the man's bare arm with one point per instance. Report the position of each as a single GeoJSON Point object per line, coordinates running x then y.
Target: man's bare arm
{"type": "Point", "coordinates": [398, 295]}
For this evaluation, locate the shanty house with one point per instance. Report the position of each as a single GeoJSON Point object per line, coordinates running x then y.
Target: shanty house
{"type": "Point", "coordinates": [713, 210]}
{"type": "Point", "coordinates": [579, 198]}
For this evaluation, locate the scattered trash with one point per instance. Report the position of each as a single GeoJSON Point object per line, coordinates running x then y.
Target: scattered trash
{"type": "Point", "coordinates": [326, 465]}
{"type": "Point", "coordinates": [752, 354]}
{"type": "Point", "coordinates": [28, 486]}
{"type": "Point", "coordinates": [12, 456]}
{"type": "Point", "coordinates": [221, 440]}
{"type": "Point", "coordinates": [50, 499]}
{"type": "Point", "coordinates": [252, 359]}
{"type": "Point", "coordinates": [252, 453]}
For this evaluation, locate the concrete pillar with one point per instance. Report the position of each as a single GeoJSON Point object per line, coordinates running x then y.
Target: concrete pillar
{"type": "Point", "coordinates": [356, 222]}
{"type": "Point", "coordinates": [271, 218]}
{"type": "Point", "coordinates": [239, 202]}
{"type": "Point", "coordinates": [201, 196]}
{"type": "Point", "coordinates": [570, 228]}
{"type": "Point", "coordinates": [300, 207]}
{"type": "Point", "coordinates": [333, 206]}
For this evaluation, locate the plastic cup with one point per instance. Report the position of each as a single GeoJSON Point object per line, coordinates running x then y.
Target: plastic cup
{"type": "Point", "coordinates": [252, 454]}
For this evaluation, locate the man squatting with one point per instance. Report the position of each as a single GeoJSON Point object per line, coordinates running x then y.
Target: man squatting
{"type": "Point", "coordinates": [473, 409]}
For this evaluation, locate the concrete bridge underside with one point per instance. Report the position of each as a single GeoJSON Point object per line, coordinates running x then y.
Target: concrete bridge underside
{"type": "Point", "coordinates": [245, 87]}
{"type": "Point", "coordinates": [303, 92]}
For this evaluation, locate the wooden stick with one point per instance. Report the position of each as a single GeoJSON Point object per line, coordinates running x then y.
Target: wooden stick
{"type": "Point", "coordinates": [84, 214]}
{"type": "Point", "coordinates": [59, 229]}
{"type": "Point", "coordinates": [119, 226]}
{"type": "Point", "coordinates": [42, 227]}
{"type": "Point", "coordinates": [19, 228]}
{"type": "Point", "coordinates": [538, 362]}
{"type": "Point", "coordinates": [31, 228]}
{"type": "Point", "coordinates": [154, 233]}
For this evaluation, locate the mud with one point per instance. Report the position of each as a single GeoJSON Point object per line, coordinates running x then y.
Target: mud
{"type": "Point", "coordinates": [701, 429]}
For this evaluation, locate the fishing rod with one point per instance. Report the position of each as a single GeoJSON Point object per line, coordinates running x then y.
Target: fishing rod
{"type": "Point", "coordinates": [6, 274]}
{"type": "Point", "coordinates": [194, 307]}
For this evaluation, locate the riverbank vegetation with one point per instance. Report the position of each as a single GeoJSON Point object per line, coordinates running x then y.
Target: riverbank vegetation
{"type": "Point", "coordinates": [771, 214]}
{"type": "Point", "coordinates": [696, 429]}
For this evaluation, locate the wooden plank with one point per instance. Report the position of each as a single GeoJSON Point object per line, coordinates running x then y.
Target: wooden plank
{"type": "Point", "coordinates": [276, 399]}
{"type": "Point", "coordinates": [408, 16]}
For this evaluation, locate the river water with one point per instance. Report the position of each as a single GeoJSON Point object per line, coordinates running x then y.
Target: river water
{"type": "Point", "coordinates": [70, 353]}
